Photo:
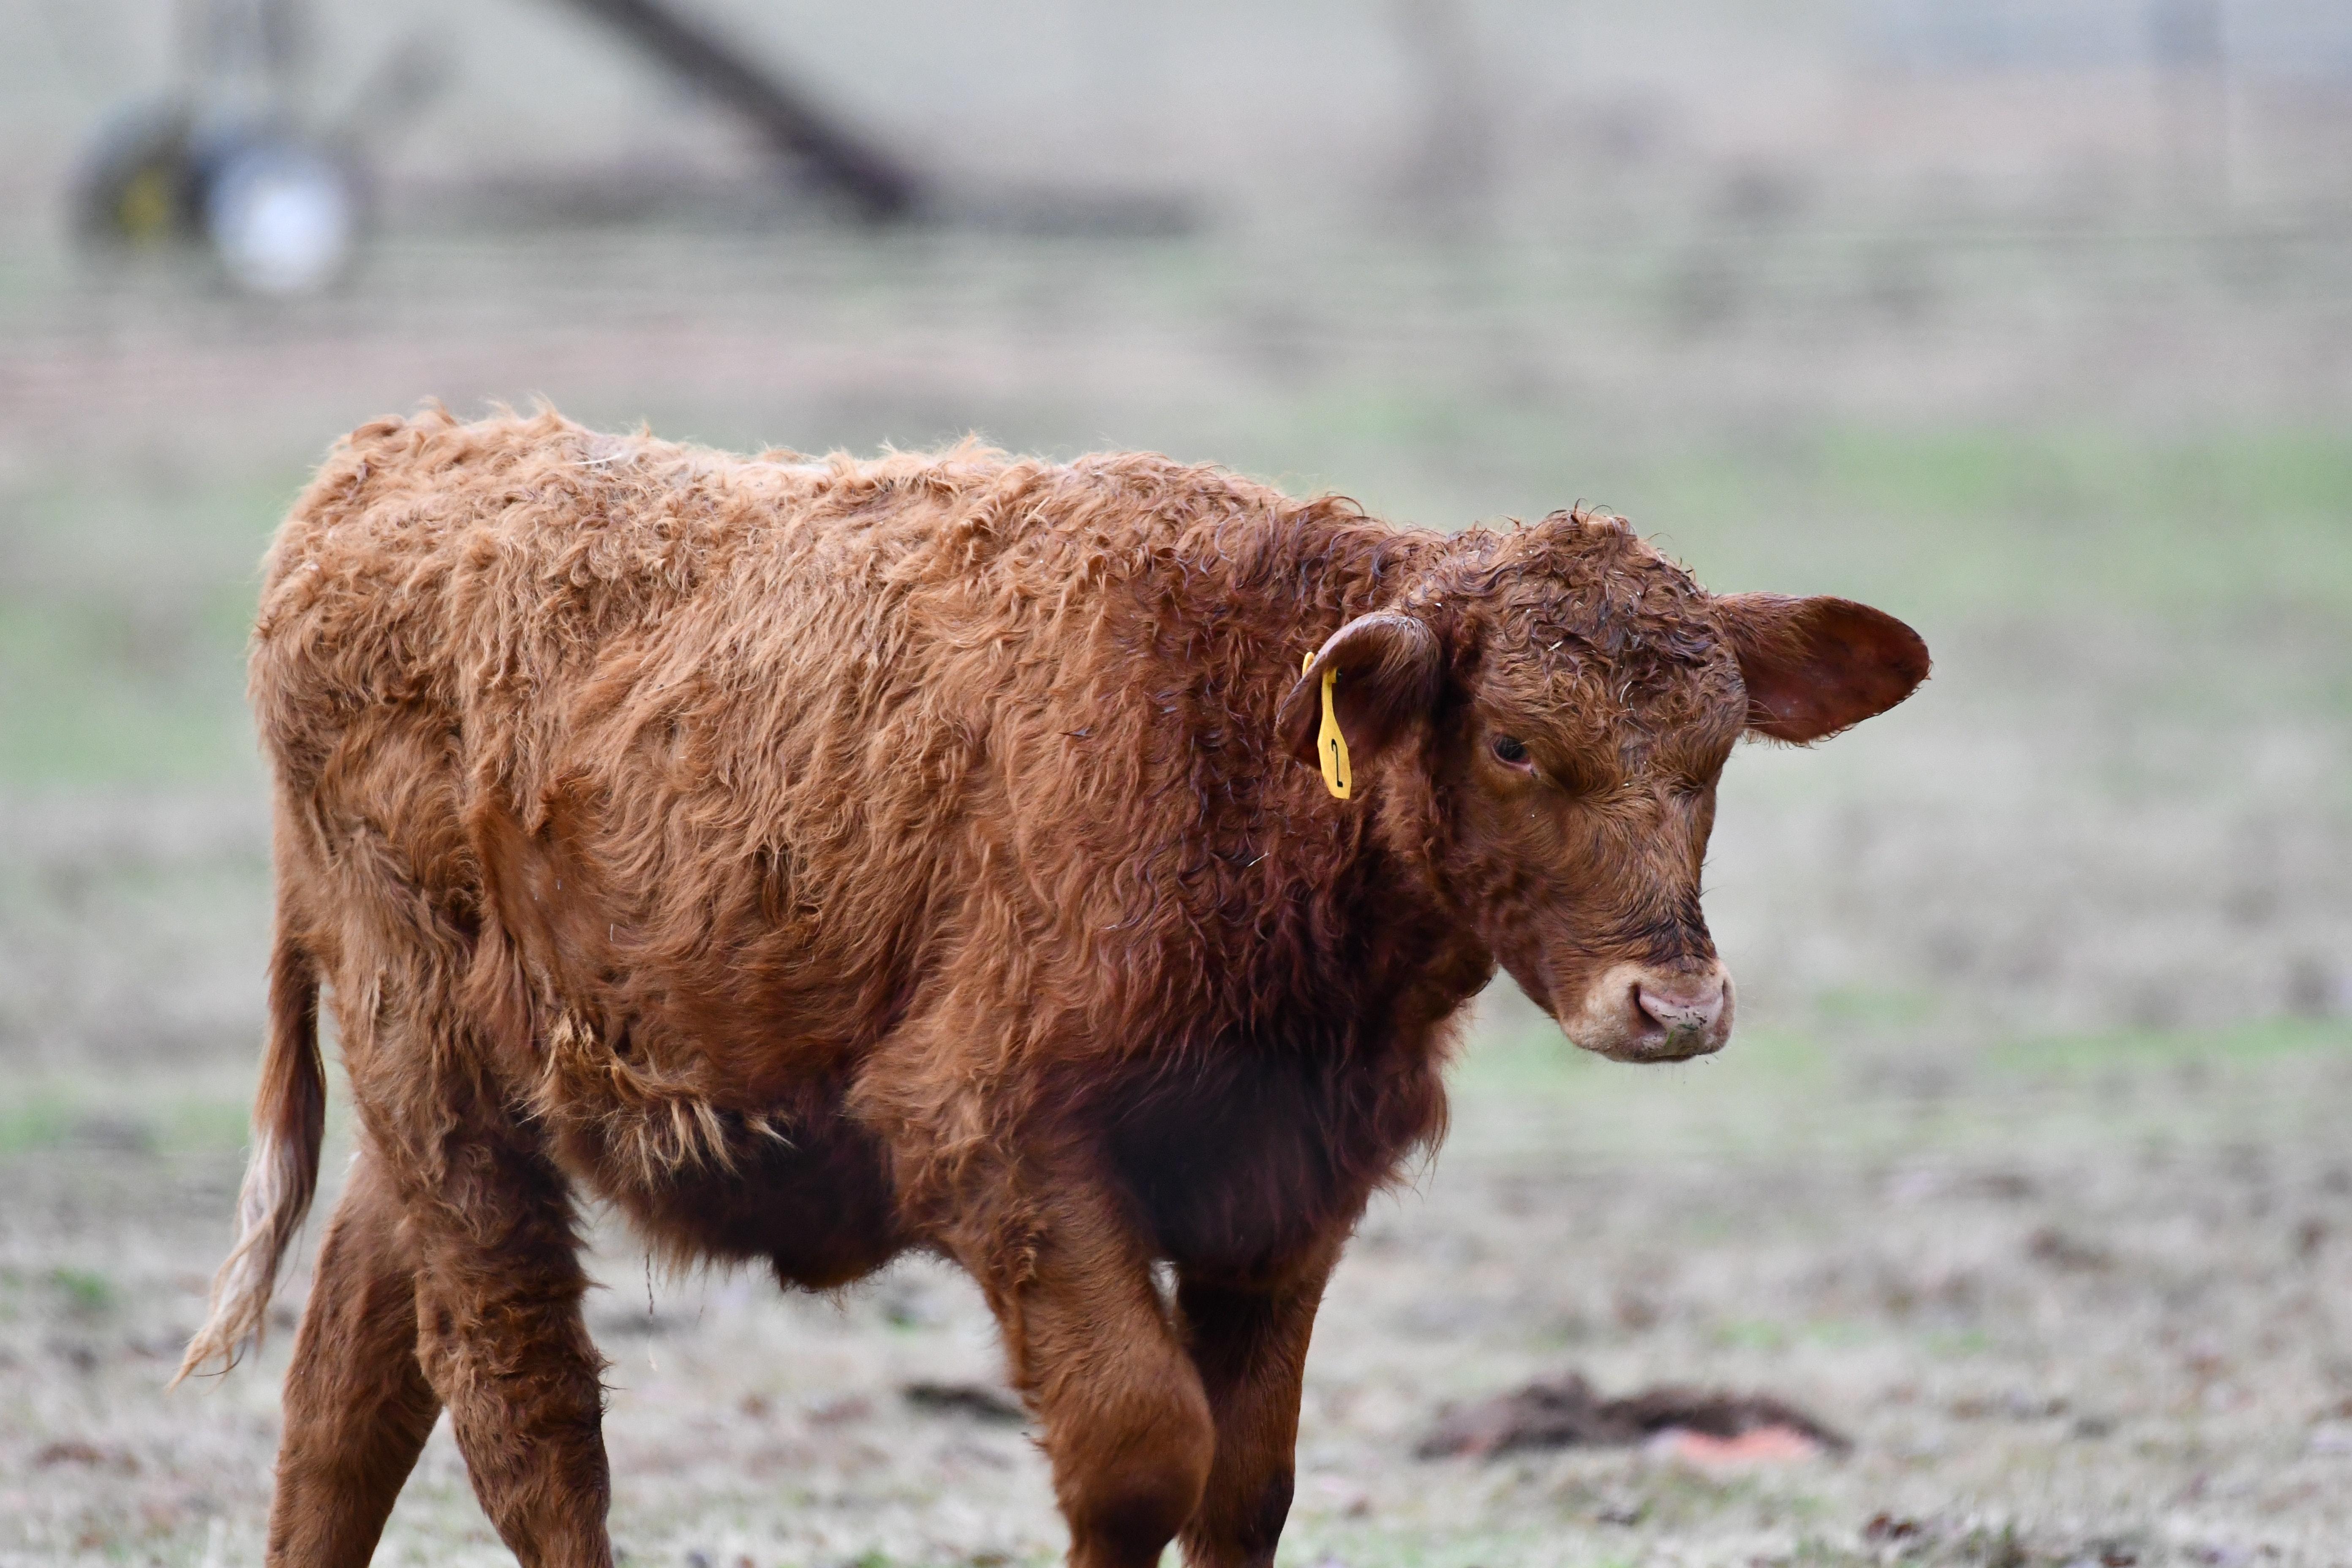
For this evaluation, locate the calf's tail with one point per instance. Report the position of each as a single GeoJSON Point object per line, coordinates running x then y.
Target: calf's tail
{"type": "Point", "coordinates": [290, 1113]}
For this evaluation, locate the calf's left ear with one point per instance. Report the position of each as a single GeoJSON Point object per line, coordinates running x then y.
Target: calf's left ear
{"type": "Point", "coordinates": [1814, 666]}
{"type": "Point", "coordinates": [1389, 665]}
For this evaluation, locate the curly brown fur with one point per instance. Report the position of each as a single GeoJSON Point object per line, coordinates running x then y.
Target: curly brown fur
{"type": "Point", "coordinates": [819, 858]}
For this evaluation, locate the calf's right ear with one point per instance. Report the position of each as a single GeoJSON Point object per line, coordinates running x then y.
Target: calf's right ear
{"type": "Point", "coordinates": [1814, 666]}
{"type": "Point", "coordinates": [1389, 665]}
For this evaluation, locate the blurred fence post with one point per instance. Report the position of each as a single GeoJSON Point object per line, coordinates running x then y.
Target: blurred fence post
{"type": "Point", "coordinates": [880, 185]}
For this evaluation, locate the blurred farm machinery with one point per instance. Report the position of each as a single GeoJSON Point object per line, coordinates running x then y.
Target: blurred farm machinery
{"type": "Point", "coordinates": [226, 163]}
{"type": "Point", "coordinates": [230, 163]}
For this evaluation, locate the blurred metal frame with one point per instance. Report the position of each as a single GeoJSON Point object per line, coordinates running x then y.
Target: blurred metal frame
{"type": "Point", "coordinates": [231, 163]}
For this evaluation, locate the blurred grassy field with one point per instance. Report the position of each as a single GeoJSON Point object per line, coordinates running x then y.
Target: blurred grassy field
{"type": "Point", "coordinates": [2026, 1167]}
{"type": "Point", "coordinates": [2079, 431]}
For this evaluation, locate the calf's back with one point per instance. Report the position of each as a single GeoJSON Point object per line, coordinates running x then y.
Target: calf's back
{"type": "Point", "coordinates": [847, 822]}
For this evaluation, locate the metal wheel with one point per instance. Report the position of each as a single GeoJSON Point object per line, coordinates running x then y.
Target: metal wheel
{"type": "Point", "coordinates": [281, 215]}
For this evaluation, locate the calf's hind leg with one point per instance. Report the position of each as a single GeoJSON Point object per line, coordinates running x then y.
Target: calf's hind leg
{"type": "Point", "coordinates": [358, 1407]}
{"type": "Point", "coordinates": [501, 1341]}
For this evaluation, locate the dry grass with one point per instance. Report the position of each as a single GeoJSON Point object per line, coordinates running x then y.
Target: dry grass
{"type": "Point", "coordinates": [2079, 1297]}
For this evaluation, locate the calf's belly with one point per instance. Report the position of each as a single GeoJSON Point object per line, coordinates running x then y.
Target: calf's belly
{"type": "Point", "coordinates": [812, 1198]}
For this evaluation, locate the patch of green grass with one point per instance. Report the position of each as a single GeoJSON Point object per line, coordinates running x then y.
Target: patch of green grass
{"type": "Point", "coordinates": [84, 1292]}
{"type": "Point", "coordinates": [72, 712]}
{"type": "Point", "coordinates": [1838, 1333]}
{"type": "Point", "coordinates": [204, 1126]}
{"type": "Point", "coordinates": [154, 1117]}
{"type": "Point", "coordinates": [1516, 1051]}
{"type": "Point", "coordinates": [2073, 520]}
{"type": "Point", "coordinates": [2078, 523]}
{"type": "Point", "coordinates": [1752, 1334]}
{"type": "Point", "coordinates": [1955, 1344]}
{"type": "Point", "coordinates": [122, 621]}
{"type": "Point", "coordinates": [1521, 1090]}
{"type": "Point", "coordinates": [2214, 481]}
{"type": "Point", "coordinates": [2257, 1041]}
{"type": "Point", "coordinates": [34, 1122]}
{"type": "Point", "coordinates": [1861, 1005]}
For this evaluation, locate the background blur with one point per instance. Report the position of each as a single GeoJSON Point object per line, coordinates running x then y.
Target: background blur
{"type": "Point", "coordinates": [2031, 322]}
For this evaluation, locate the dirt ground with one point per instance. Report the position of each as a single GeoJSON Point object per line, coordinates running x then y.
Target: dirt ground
{"type": "Point", "coordinates": [2027, 1171]}
{"type": "Point", "coordinates": [2074, 1303]}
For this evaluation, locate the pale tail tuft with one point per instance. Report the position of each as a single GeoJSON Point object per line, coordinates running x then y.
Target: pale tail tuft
{"type": "Point", "coordinates": [288, 1117]}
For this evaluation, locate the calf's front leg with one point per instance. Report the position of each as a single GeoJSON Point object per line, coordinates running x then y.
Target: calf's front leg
{"type": "Point", "coordinates": [1127, 1426]}
{"type": "Point", "coordinates": [1248, 1339]}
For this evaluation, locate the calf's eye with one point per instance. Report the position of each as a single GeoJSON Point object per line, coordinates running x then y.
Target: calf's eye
{"type": "Point", "coordinates": [1509, 749]}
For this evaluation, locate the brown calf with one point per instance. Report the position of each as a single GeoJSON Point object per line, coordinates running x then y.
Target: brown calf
{"type": "Point", "coordinates": [821, 859]}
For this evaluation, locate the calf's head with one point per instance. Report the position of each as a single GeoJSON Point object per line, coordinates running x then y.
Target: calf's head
{"type": "Point", "coordinates": [1568, 697]}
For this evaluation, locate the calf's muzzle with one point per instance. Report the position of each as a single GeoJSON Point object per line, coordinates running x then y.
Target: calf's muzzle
{"type": "Point", "coordinates": [1638, 1013]}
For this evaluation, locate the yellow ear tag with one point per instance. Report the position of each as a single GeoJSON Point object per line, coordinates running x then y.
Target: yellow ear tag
{"type": "Point", "coordinates": [1331, 745]}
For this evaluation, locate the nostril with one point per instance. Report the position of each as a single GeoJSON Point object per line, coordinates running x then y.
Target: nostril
{"type": "Point", "coordinates": [1676, 1010]}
